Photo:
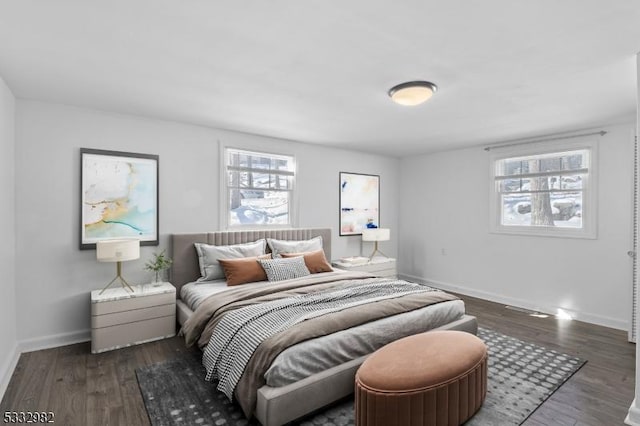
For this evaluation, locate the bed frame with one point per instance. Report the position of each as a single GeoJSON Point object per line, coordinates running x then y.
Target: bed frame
{"type": "Point", "coordinates": [277, 406]}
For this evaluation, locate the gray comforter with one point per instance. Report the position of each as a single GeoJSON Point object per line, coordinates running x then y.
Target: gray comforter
{"type": "Point", "coordinates": [201, 324]}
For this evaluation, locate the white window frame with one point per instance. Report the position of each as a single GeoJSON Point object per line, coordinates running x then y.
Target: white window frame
{"type": "Point", "coordinates": [224, 190]}
{"type": "Point", "coordinates": [589, 193]}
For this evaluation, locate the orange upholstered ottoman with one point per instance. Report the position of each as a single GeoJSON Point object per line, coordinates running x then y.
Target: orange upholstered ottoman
{"type": "Point", "coordinates": [435, 378]}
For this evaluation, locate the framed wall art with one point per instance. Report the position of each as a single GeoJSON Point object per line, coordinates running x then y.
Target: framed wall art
{"type": "Point", "coordinates": [359, 202]}
{"type": "Point", "coordinates": [119, 197]}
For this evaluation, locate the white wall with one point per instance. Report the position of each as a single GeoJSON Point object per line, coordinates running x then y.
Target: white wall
{"type": "Point", "coordinates": [54, 277]}
{"type": "Point", "coordinates": [445, 199]}
{"type": "Point", "coordinates": [8, 345]}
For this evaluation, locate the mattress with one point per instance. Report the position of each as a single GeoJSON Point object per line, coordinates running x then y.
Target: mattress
{"type": "Point", "coordinates": [192, 294]}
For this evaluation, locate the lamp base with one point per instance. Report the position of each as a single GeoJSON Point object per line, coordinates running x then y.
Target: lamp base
{"type": "Point", "coordinates": [375, 250]}
{"type": "Point", "coordinates": [118, 276]}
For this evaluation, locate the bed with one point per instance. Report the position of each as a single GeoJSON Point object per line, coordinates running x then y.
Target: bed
{"type": "Point", "coordinates": [283, 393]}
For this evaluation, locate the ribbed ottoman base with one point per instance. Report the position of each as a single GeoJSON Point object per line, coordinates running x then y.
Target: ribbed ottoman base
{"type": "Point", "coordinates": [451, 402]}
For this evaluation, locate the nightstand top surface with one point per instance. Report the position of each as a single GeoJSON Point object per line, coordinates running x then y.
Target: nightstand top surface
{"type": "Point", "coordinates": [119, 293]}
{"type": "Point", "coordinates": [374, 261]}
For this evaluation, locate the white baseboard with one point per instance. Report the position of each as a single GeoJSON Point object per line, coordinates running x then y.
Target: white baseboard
{"type": "Point", "coordinates": [30, 345]}
{"type": "Point", "coordinates": [54, 341]}
{"type": "Point", "coordinates": [633, 417]}
{"type": "Point", "coordinates": [521, 303]}
{"type": "Point", "coordinates": [7, 370]}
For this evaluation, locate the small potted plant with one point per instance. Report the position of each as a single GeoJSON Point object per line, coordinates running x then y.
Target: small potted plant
{"type": "Point", "coordinates": [158, 264]}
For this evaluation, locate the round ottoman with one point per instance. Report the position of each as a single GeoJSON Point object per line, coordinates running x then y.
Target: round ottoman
{"type": "Point", "coordinates": [434, 378]}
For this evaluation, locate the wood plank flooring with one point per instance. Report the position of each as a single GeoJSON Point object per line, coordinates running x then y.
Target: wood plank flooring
{"type": "Point", "coordinates": [102, 389]}
{"type": "Point", "coordinates": [600, 393]}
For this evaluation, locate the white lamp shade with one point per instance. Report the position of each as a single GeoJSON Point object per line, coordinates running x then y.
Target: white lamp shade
{"type": "Point", "coordinates": [117, 250]}
{"type": "Point", "coordinates": [376, 234]}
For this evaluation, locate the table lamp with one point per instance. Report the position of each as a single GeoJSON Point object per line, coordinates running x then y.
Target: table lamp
{"type": "Point", "coordinates": [375, 235]}
{"type": "Point", "coordinates": [118, 251]}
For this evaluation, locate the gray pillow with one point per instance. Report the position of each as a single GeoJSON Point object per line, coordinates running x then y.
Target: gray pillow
{"type": "Point", "coordinates": [284, 268]}
{"type": "Point", "coordinates": [292, 246]}
{"type": "Point", "coordinates": [208, 255]}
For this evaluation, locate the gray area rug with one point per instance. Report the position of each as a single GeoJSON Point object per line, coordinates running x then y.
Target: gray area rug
{"type": "Point", "coordinates": [521, 377]}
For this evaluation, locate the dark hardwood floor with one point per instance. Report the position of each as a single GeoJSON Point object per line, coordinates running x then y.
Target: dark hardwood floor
{"type": "Point", "coordinates": [85, 389]}
{"type": "Point", "coordinates": [600, 393]}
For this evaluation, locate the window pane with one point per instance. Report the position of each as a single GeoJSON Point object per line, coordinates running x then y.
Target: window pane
{"type": "Point", "coordinates": [234, 179]}
{"type": "Point", "coordinates": [540, 183]}
{"type": "Point", "coordinates": [515, 185]}
{"type": "Point", "coordinates": [283, 182]}
{"type": "Point", "coordinates": [258, 207]}
{"type": "Point", "coordinates": [516, 209]}
{"type": "Point", "coordinates": [571, 182]}
{"type": "Point", "coordinates": [261, 163]}
{"type": "Point", "coordinates": [559, 209]}
{"type": "Point", "coordinates": [244, 179]}
{"type": "Point", "coordinates": [514, 167]}
{"type": "Point", "coordinates": [567, 209]}
{"type": "Point", "coordinates": [234, 159]}
{"type": "Point", "coordinates": [554, 162]}
{"type": "Point", "coordinates": [258, 161]}
{"type": "Point", "coordinates": [258, 194]}
{"type": "Point", "coordinates": [260, 180]}
{"type": "Point", "coordinates": [244, 160]}
{"type": "Point", "coordinates": [280, 164]}
{"type": "Point", "coordinates": [562, 161]}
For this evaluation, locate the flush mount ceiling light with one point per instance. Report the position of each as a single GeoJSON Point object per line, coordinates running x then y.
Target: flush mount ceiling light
{"type": "Point", "coordinates": [412, 92]}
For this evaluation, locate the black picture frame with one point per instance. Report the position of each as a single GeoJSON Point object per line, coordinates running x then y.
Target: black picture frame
{"type": "Point", "coordinates": [119, 197]}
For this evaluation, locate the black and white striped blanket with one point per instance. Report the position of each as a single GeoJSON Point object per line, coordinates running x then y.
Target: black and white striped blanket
{"type": "Point", "coordinates": [240, 332]}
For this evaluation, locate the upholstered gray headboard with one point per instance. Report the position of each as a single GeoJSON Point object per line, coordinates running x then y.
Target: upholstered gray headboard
{"type": "Point", "coordinates": [185, 266]}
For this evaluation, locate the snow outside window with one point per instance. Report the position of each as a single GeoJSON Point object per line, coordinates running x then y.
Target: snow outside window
{"type": "Point", "coordinates": [259, 189]}
{"type": "Point", "coordinates": [546, 193]}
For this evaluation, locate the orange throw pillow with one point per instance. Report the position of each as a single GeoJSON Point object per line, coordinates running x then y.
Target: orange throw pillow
{"type": "Point", "coordinates": [315, 260]}
{"type": "Point", "coordinates": [244, 270]}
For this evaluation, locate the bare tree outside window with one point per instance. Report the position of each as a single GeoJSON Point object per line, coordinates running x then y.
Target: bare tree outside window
{"type": "Point", "coordinates": [234, 182]}
{"type": "Point", "coordinates": [541, 213]}
{"type": "Point", "coordinates": [543, 190]}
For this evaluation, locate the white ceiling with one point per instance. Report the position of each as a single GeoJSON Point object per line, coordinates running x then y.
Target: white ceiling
{"type": "Point", "coordinates": [318, 71]}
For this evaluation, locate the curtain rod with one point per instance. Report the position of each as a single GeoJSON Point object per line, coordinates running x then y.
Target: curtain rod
{"type": "Point", "coordinates": [490, 147]}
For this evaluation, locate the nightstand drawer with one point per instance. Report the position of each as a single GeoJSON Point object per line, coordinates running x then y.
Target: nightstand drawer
{"type": "Point", "coordinates": [120, 318]}
{"type": "Point", "coordinates": [116, 318]}
{"type": "Point", "coordinates": [135, 302]}
{"type": "Point", "coordinates": [381, 268]}
{"type": "Point", "coordinates": [107, 338]}
{"type": "Point", "coordinates": [377, 267]}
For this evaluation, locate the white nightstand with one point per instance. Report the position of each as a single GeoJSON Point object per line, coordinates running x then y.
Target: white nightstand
{"type": "Point", "coordinates": [120, 318]}
{"type": "Point", "coordinates": [379, 266]}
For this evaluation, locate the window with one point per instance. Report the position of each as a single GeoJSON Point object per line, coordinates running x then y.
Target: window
{"type": "Point", "coordinates": [259, 189]}
{"type": "Point", "coordinates": [547, 192]}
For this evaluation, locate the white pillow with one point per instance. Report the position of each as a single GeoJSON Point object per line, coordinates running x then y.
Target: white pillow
{"type": "Point", "coordinates": [293, 246]}
{"type": "Point", "coordinates": [208, 256]}
{"type": "Point", "coordinates": [284, 268]}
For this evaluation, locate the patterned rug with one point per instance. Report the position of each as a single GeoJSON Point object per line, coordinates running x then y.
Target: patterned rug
{"type": "Point", "coordinates": [521, 377]}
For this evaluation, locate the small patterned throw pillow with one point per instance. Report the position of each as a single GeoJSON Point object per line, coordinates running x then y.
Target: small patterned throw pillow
{"type": "Point", "coordinates": [284, 269]}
